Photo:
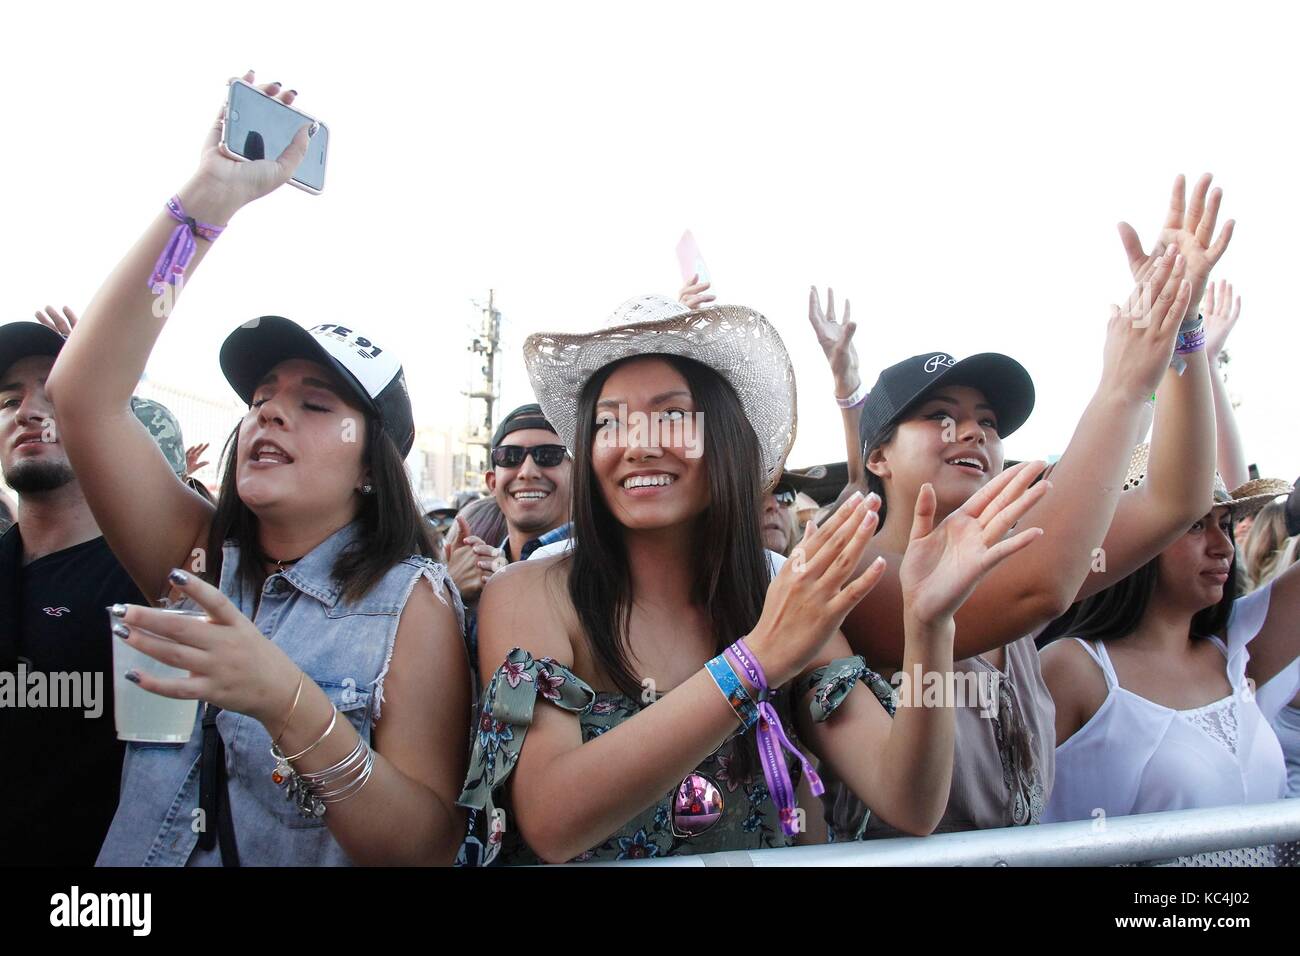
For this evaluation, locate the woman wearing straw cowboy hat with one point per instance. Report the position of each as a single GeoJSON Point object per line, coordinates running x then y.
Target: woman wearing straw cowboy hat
{"type": "Point", "coordinates": [1155, 703]}
{"type": "Point", "coordinates": [677, 421]}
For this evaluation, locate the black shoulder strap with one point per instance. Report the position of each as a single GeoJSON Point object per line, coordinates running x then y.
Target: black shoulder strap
{"type": "Point", "coordinates": [214, 793]}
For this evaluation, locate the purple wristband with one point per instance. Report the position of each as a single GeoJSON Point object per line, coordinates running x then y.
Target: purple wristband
{"type": "Point", "coordinates": [1193, 341]}
{"type": "Point", "coordinates": [770, 735]}
{"type": "Point", "coordinates": [178, 252]}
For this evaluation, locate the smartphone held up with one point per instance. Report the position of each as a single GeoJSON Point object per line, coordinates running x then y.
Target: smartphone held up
{"type": "Point", "coordinates": [258, 126]}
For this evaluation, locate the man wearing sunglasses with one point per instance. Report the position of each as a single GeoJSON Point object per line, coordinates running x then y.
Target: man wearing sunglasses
{"type": "Point", "coordinates": [530, 477]}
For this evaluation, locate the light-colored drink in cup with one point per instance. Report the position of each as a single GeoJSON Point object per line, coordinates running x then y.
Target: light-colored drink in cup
{"type": "Point", "coordinates": [143, 716]}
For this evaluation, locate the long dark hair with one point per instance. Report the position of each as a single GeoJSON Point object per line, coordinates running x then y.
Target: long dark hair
{"type": "Point", "coordinates": [1117, 611]}
{"type": "Point", "coordinates": [731, 572]}
{"type": "Point", "coordinates": [391, 526]}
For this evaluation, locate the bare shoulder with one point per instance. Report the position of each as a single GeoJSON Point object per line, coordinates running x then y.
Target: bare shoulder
{"type": "Point", "coordinates": [1075, 680]}
{"type": "Point", "coordinates": [427, 612]}
{"type": "Point", "coordinates": [527, 605]}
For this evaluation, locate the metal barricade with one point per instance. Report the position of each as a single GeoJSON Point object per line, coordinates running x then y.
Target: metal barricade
{"type": "Point", "coordinates": [1266, 834]}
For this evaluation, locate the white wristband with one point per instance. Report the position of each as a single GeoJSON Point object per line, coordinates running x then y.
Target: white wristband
{"type": "Point", "coordinates": [856, 399]}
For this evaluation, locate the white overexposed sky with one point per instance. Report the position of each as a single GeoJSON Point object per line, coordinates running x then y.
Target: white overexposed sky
{"type": "Point", "coordinates": [956, 170]}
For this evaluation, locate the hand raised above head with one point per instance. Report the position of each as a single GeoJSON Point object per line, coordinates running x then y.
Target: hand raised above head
{"type": "Point", "coordinates": [836, 339]}
{"type": "Point", "coordinates": [695, 294]}
{"type": "Point", "coordinates": [1221, 312]}
{"type": "Point", "coordinates": [63, 323]}
{"type": "Point", "coordinates": [1189, 225]}
{"type": "Point", "coordinates": [225, 183]}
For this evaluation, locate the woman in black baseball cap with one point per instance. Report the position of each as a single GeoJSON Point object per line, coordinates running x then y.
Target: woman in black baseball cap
{"type": "Point", "coordinates": [934, 419]}
{"type": "Point", "coordinates": [314, 571]}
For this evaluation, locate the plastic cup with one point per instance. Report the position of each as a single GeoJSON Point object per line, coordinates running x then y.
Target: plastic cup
{"type": "Point", "coordinates": [141, 715]}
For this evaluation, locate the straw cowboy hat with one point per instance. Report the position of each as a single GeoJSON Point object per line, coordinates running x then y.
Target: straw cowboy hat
{"type": "Point", "coordinates": [736, 342]}
{"type": "Point", "coordinates": [1242, 502]}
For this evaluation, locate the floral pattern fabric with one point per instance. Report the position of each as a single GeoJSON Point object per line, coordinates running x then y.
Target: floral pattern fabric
{"type": "Point", "coordinates": [749, 821]}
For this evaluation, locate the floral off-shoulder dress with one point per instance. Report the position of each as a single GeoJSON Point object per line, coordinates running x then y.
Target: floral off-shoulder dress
{"type": "Point", "coordinates": [749, 818]}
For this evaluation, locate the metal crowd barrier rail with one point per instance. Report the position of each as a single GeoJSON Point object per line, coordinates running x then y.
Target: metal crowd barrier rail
{"type": "Point", "coordinates": [1251, 835]}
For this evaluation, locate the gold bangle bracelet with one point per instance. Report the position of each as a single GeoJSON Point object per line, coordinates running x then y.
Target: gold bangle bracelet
{"type": "Point", "coordinates": [297, 694]}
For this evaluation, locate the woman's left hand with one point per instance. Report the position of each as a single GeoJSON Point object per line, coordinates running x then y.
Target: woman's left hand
{"type": "Point", "coordinates": [944, 563]}
{"type": "Point", "coordinates": [231, 663]}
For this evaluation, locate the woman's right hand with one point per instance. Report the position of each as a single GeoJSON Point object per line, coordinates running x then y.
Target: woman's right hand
{"type": "Point", "coordinates": [695, 294]}
{"type": "Point", "coordinates": [224, 184]}
{"type": "Point", "coordinates": [816, 588]}
{"type": "Point", "coordinates": [1140, 337]}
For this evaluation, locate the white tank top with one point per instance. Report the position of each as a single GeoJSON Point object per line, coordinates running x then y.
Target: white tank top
{"type": "Point", "coordinates": [1137, 756]}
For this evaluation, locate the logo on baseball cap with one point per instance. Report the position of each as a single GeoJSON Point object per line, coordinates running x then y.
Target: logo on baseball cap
{"type": "Point", "coordinates": [372, 372]}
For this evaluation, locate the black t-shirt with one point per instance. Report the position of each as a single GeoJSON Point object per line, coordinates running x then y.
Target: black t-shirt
{"type": "Point", "coordinates": [60, 769]}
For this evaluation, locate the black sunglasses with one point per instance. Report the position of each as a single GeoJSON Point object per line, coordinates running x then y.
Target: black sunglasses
{"type": "Point", "coordinates": [785, 495]}
{"type": "Point", "coordinates": [512, 456]}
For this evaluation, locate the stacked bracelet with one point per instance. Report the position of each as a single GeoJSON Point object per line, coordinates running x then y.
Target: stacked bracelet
{"type": "Point", "coordinates": [854, 400]}
{"type": "Point", "coordinates": [1191, 341]}
{"type": "Point", "coordinates": [314, 791]}
{"type": "Point", "coordinates": [1191, 338]}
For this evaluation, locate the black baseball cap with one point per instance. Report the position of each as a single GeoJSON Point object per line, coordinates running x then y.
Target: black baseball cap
{"type": "Point", "coordinates": [525, 416]}
{"type": "Point", "coordinates": [373, 374]}
{"type": "Point", "coordinates": [18, 340]}
{"type": "Point", "coordinates": [1293, 511]}
{"type": "Point", "coordinates": [1002, 379]}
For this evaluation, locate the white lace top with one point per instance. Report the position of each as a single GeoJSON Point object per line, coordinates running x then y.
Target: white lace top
{"type": "Point", "coordinates": [1137, 756]}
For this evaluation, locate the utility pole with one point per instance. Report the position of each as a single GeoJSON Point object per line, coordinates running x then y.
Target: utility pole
{"type": "Point", "coordinates": [485, 389]}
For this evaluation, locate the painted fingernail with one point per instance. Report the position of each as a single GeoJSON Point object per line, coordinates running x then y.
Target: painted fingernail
{"type": "Point", "coordinates": [122, 631]}
{"type": "Point", "coordinates": [117, 610]}
{"type": "Point", "coordinates": [294, 92]}
{"type": "Point", "coordinates": [178, 577]}
{"type": "Point", "coordinates": [276, 83]}
{"type": "Point", "coordinates": [132, 676]}
{"type": "Point", "coordinates": [873, 499]}
{"type": "Point", "coordinates": [856, 499]}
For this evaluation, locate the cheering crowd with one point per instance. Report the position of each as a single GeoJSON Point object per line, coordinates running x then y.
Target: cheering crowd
{"type": "Point", "coordinates": [648, 639]}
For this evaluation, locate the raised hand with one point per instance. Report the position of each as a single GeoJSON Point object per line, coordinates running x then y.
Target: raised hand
{"type": "Point", "coordinates": [229, 183]}
{"type": "Point", "coordinates": [943, 564]}
{"type": "Point", "coordinates": [1221, 313]}
{"type": "Point", "coordinates": [816, 588]}
{"type": "Point", "coordinates": [1187, 225]}
{"type": "Point", "coordinates": [694, 294]}
{"type": "Point", "coordinates": [1140, 336]}
{"type": "Point", "coordinates": [62, 323]}
{"type": "Point", "coordinates": [193, 454]}
{"type": "Point", "coordinates": [836, 339]}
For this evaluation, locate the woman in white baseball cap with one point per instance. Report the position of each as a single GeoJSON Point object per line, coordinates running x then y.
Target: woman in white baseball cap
{"type": "Point", "coordinates": [331, 659]}
{"type": "Point", "coordinates": [624, 674]}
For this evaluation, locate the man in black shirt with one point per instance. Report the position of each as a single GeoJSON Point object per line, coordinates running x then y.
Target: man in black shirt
{"type": "Point", "coordinates": [59, 753]}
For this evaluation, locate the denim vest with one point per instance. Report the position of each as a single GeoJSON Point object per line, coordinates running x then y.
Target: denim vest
{"type": "Point", "coordinates": [345, 646]}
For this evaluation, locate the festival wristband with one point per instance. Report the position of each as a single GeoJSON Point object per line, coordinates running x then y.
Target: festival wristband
{"type": "Point", "coordinates": [734, 690]}
{"type": "Point", "coordinates": [178, 252]}
{"type": "Point", "coordinates": [1191, 338]}
{"type": "Point", "coordinates": [857, 398]}
{"type": "Point", "coordinates": [771, 738]}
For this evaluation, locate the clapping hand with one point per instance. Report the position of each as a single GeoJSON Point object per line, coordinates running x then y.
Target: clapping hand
{"type": "Point", "coordinates": [944, 563]}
